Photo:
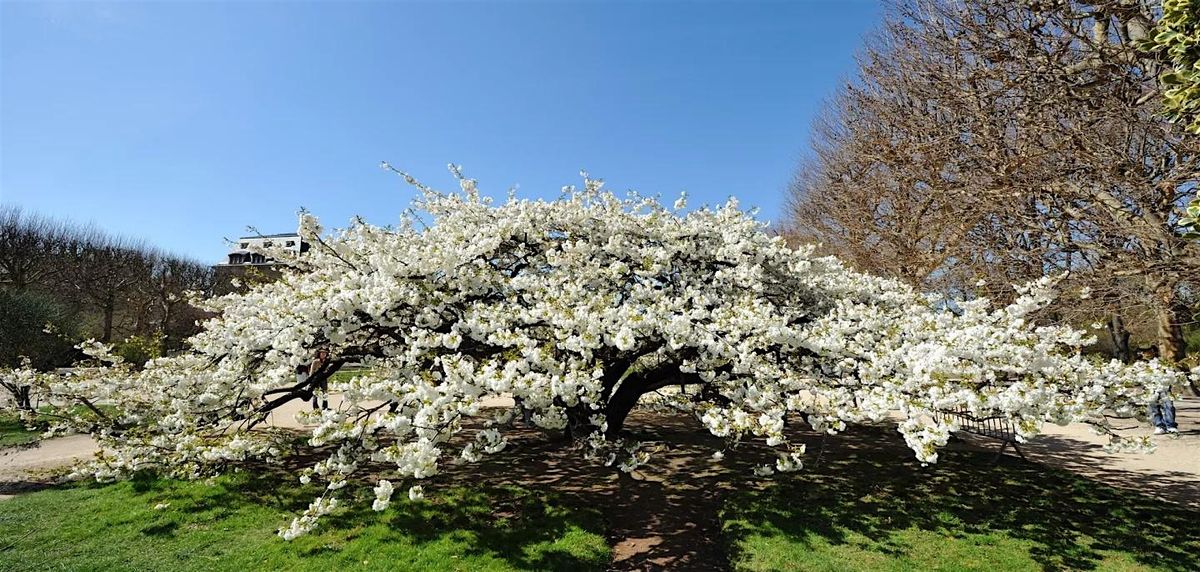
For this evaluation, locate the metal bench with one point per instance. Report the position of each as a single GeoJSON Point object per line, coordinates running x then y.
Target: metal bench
{"type": "Point", "coordinates": [995, 427]}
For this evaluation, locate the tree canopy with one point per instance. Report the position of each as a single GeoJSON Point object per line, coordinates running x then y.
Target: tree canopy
{"type": "Point", "coordinates": [986, 143]}
{"type": "Point", "coordinates": [1177, 37]}
{"type": "Point", "coordinates": [578, 308]}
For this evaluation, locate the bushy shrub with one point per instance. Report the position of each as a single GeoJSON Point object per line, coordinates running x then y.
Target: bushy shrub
{"type": "Point", "coordinates": [38, 328]}
{"type": "Point", "coordinates": [138, 350]}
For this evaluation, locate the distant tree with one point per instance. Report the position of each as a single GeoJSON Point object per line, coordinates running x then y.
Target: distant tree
{"type": "Point", "coordinates": [172, 279]}
{"type": "Point", "coordinates": [88, 284]}
{"type": "Point", "coordinates": [137, 350]}
{"type": "Point", "coordinates": [105, 271]}
{"type": "Point", "coordinates": [985, 143]}
{"type": "Point", "coordinates": [29, 245]}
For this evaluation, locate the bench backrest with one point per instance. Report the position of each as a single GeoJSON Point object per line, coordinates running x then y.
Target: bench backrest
{"type": "Point", "coordinates": [996, 426]}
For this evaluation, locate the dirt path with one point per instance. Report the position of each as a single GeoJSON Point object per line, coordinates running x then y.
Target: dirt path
{"type": "Point", "coordinates": [1171, 473]}
{"type": "Point", "coordinates": [23, 467]}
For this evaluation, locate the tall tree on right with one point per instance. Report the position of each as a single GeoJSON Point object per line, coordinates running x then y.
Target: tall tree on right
{"type": "Point", "coordinates": [991, 142]}
{"type": "Point", "coordinates": [1177, 39]}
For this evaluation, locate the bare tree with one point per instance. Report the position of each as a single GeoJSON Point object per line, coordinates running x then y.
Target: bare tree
{"type": "Point", "coordinates": [29, 244]}
{"type": "Point", "coordinates": [105, 272]}
{"type": "Point", "coordinates": [173, 279]}
{"type": "Point", "coordinates": [991, 142]}
{"type": "Point", "coordinates": [110, 287]}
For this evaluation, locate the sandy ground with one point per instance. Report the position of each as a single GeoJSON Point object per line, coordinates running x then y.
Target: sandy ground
{"type": "Point", "coordinates": [1171, 473]}
{"type": "Point", "coordinates": [24, 467]}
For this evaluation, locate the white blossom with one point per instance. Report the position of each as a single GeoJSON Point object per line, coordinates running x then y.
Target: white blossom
{"type": "Point", "coordinates": [575, 308]}
{"type": "Point", "coordinates": [383, 495]}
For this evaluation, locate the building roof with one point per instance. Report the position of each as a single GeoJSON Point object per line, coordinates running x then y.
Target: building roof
{"type": "Point", "coordinates": [280, 235]}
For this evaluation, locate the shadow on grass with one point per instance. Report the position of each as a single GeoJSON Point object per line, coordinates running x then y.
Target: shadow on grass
{"type": "Point", "coordinates": [503, 522]}
{"type": "Point", "coordinates": [868, 491]}
{"type": "Point", "coordinates": [522, 527]}
{"type": "Point", "coordinates": [526, 506]}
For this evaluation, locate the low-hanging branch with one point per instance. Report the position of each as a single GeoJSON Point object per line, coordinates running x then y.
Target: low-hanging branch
{"type": "Point", "coordinates": [579, 310]}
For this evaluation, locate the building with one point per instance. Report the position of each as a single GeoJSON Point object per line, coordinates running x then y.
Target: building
{"type": "Point", "coordinates": [250, 267]}
{"type": "Point", "coordinates": [243, 251]}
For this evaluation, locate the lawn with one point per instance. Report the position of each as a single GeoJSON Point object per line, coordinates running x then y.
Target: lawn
{"type": "Point", "coordinates": [961, 514]}
{"type": "Point", "coordinates": [347, 373]}
{"type": "Point", "coordinates": [13, 433]}
{"type": "Point", "coordinates": [230, 525]}
{"type": "Point", "coordinates": [867, 505]}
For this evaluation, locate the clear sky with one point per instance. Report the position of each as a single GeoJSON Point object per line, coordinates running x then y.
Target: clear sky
{"type": "Point", "coordinates": [184, 122]}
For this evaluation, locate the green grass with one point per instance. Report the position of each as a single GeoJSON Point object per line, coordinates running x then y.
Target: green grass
{"type": "Point", "coordinates": [861, 508]}
{"type": "Point", "coordinates": [230, 525]}
{"type": "Point", "coordinates": [347, 373]}
{"type": "Point", "coordinates": [13, 433]}
{"type": "Point", "coordinates": [960, 514]}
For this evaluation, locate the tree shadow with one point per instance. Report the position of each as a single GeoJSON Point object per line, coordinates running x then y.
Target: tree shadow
{"type": "Point", "coordinates": [664, 516]}
{"type": "Point", "coordinates": [865, 489]}
{"type": "Point", "coordinates": [519, 525]}
{"type": "Point", "coordinates": [1088, 459]}
{"type": "Point", "coordinates": [515, 524]}
{"type": "Point", "coordinates": [685, 511]}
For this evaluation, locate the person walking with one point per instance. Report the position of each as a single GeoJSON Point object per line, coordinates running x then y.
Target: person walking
{"type": "Point", "coordinates": [1162, 415]}
{"type": "Point", "coordinates": [1162, 410]}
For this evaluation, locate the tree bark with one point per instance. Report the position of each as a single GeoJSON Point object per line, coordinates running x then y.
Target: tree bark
{"type": "Point", "coordinates": [620, 404]}
{"type": "Point", "coordinates": [626, 397]}
{"type": "Point", "coordinates": [24, 400]}
{"type": "Point", "coordinates": [1171, 314]}
{"type": "Point", "coordinates": [165, 327]}
{"type": "Point", "coordinates": [21, 395]}
{"type": "Point", "coordinates": [109, 310]}
{"type": "Point", "coordinates": [1120, 338]}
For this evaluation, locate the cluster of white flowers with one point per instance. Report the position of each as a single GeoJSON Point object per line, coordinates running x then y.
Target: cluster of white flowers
{"type": "Point", "coordinates": [577, 308]}
{"type": "Point", "coordinates": [383, 495]}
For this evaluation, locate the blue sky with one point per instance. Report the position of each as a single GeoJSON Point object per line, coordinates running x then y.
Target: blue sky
{"type": "Point", "coordinates": [182, 123]}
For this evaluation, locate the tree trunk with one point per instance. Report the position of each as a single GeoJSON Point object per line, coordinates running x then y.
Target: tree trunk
{"type": "Point", "coordinates": [631, 390]}
{"type": "Point", "coordinates": [620, 404]}
{"type": "Point", "coordinates": [1120, 338]}
{"type": "Point", "coordinates": [1171, 314]}
{"type": "Point", "coordinates": [24, 400]}
{"type": "Point", "coordinates": [21, 395]}
{"type": "Point", "coordinates": [108, 322]}
{"type": "Point", "coordinates": [165, 328]}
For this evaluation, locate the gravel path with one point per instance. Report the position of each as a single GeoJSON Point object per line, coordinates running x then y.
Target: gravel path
{"type": "Point", "coordinates": [22, 467]}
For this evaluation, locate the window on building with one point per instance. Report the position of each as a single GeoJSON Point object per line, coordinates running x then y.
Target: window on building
{"type": "Point", "coordinates": [245, 245]}
{"type": "Point", "coordinates": [291, 243]}
{"type": "Point", "coordinates": [268, 244]}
